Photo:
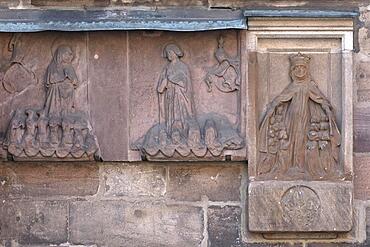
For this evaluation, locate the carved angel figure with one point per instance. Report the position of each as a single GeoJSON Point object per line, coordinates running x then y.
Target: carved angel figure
{"type": "Point", "coordinates": [298, 137]}
{"type": "Point", "coordinates": [225, 74]}
{"type": "Point", "coordinates": [61, 80]}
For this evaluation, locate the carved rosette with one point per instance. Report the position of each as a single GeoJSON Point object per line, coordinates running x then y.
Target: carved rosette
{"type": "Point", "coordinates": [300, 206]}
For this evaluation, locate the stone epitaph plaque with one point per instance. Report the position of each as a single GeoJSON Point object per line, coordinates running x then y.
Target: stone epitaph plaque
{"type": "Point", "coordinates": [300, 125]}
{"type": "Point", "coordinates": [43, 102]}
{"type": "Point", "coordinates": [186, 97]}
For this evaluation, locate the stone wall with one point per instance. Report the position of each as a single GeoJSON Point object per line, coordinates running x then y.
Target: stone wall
{"type": "Point", "coordinates": [163, 204]}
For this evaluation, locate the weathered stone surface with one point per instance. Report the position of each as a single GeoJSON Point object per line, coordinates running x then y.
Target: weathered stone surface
{"type": "Point", "coordinates": [196, 122]}
{"type": "Point", "coordinates": [271, 245]}
{"type": "Point", "coordinates": [300, 206]}
{"type": "Point", "coordinates": [294, 135]}
{"type": "Point", "coordinates": [218, 183]}
{"type": "Point", "coordinates": [361, 126]}
{"type": "Point", "coordinates": [5, 3]}
{"type": "Point", "coordinates": [37, 222]}
{"type": "Point", "coordinates": [224, 224]}
{"type": "Point", "coordinates": [19, 180]}
{"type": "Point", "coordinates": [362, 75]}
{"type": "Point", "coordinates": [135, 180]}
{"type": "Point", "coordinates": [361, 179]}
{"type": "Point", "coordinates": [293, 4]}
{"type": "Point", "coordinates": [366, 243]}
{"type": "Point", "coordinates": [115, 223]}
{"type": "Point", "coordinates": [109, 92]}
{"type": "Point", "coordinates": [27, 55]}
{"type": "Point", "coordinates": [74, 3]}
{"type": "Point", "coordinates": [160, 3]}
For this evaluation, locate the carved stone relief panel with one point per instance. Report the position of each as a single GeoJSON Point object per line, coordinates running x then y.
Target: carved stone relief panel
{"type": "Point", "coordinates": [300, 126]}
{"type": "Point", "coordinates": [44, 112]}
{"type": "Point", "coordinates": [189, 91]}
{"type": "Point", "coordinates": [298, 137]}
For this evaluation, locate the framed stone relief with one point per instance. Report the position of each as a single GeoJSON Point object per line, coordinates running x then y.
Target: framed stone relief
{"type": "Point", "coordinates": [190, 97]}
{"type": "Point", "coordinates": [300, 125]}
{"type": "Point", "coordinates": [44, 98]}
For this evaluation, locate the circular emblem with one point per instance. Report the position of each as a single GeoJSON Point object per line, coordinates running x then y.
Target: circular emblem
{"type": "Point", "coordinates": [301, 206]}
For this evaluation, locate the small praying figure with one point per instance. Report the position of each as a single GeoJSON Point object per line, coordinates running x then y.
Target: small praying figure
{"type": "Point", "coordinates": [225, 74]}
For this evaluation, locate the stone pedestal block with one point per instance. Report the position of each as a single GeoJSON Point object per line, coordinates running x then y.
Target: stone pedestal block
{"type": "Point", "coordinates": [300, 206]}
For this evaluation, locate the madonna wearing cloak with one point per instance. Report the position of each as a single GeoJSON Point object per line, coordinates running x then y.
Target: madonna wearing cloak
{"type": "Point", "coordinates": [298, 137]}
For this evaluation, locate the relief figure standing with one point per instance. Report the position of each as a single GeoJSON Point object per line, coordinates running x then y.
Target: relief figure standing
{"type": "Point", "coordinates": [175, 92]}
{"type": "Point", "coordinates": [298, 137]}
{"type": "Point", "coordinates": [61, 80]}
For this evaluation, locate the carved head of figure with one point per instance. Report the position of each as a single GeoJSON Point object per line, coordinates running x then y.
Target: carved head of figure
{"type": "Point", "coordinates": [18, 120]}
{"type": "Point", "coordinates": [172, 52]}
{"type": "Point", "coordinates": [63, 55]}
{"type": "Point", "coordinates": [220, 52]}
{"type": "Point", "coordinates": [31, 118]}
{"type": "Point", "coordinates": [299, 67]}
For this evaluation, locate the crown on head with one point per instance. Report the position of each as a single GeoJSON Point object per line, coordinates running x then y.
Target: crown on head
{"type": "Point", "coordinates": [299, 59]}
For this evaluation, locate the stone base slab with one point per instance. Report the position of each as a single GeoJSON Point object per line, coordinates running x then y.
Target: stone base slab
{"type": "Point", "coordinates": [300, 206]}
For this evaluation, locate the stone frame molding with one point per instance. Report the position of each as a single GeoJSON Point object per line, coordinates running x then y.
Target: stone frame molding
{"type": "Point", "coordinates": [284, 29]}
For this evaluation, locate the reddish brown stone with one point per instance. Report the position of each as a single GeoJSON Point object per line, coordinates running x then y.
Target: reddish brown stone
{"type": "Point", "coordinates": [361, 126]}
{"type": "Point", "coordinates": [74, 3]}
{"type": "Point", "coordinates": [47, 180]}
{"type": "Point", "coordinates": [224, 224]}
{"type": "Point", "coordinates": [218, 183]}
{"type": "Point", "coordinates": [116, 223]}
{"type": "Point", "coordinates": [38, 222]}
{"type": "Point", "coordinates": [325, 4]}
{"type": "Point", "coordinates": [109, 92]}
{"type": "Point", "coordinates": [134, 180]}
{"type": "Point", "coordinates": [361, 177]}
{"type": "Point", "coordinates": [272, 245]}
{"type": "Point", "coordinates": [6, 3]}
{"type": "Point", "coordinates": [206, 109]}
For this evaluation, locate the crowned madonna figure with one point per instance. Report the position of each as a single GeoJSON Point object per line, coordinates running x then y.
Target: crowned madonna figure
{"type": "Point", "coordinates": [298, 137]}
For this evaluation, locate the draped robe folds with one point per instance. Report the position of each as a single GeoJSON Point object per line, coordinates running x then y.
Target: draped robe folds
{"type": "Point", "coordinates": [175, 97]}
{"type": "Point", "coordinates": [60, 79]}
{"type": "Point", "coordinates": [299, 104]}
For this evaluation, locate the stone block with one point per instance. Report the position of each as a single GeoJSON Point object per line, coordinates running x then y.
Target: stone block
{"type": "Point", "coordinates": [361, 126]}
{"type": "Point", "coordinates": [271, 245]}
{"type": "Point", "coordinates": [135, 180]}
{"type": "Point", "coordinates": [74, 3]}
{"type": "Point", "coordinates": [361, 178]}
{"type": "Point", "coordinates": [224, 224]}
{"type": "Point", "coordinates": [218, 183]}
{"type": "Point", "coordinates": [6, 3]}
{"type": "Point", "coordinates": [116, 223]}
{"type": "Point", "coordinates": [287, 206]}
{"type": "Point", "coordinates": [37, 222]}
{"type": "Point", "coordinates": [109, 94]}
{"type": "Point", "coordinates": [19, 180]}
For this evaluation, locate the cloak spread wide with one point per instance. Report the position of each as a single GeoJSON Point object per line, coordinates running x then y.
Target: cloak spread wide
{"type": "Point", "coordinates": [298, 135]}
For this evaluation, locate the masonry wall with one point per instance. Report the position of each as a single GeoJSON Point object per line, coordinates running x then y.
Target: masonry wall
{"type": "Point", "coordinates": [163, 204]}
